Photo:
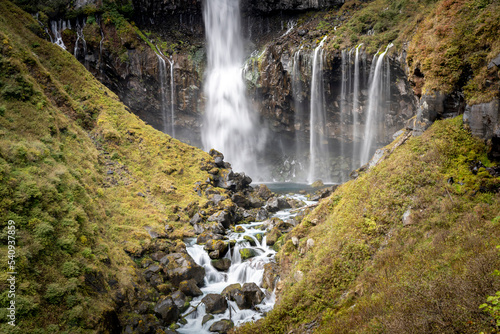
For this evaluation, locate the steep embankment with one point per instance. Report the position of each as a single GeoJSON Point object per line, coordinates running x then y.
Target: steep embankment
{"type": "Point", "coordinates": [90, 188]}
{"type": "Point", "coordinates": [408, 247]}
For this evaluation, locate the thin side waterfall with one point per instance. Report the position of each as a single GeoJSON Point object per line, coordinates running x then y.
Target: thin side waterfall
{"type": "Point", "coordinates": [375, 97]}
{"type": "Point", "coordinates": [344, 96]}
{"type": "Point", "coordinates": [57, 27]}
{"type": "Point", "coordinates": [355, 110]}
{"type": "Point", "coordinates": [230, 126]}
{"type": "Point", "coordinates": [297, 94]}
{"type": "Point", "coordinates": [172, 102]}
{"type": "Point", "coordinates": [162, 74]}
{"type": "Point", "coordinates": [317, 119]}
{"type": "Point", "coordinates": [81, 37]}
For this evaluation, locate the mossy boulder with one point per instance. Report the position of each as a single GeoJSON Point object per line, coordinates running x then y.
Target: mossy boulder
{"type": "Point", "coordinates": [189, 288]}
{"type": "Point", "coordinates": [273, 236]}
{"type": "Point", "coordinates": [247, 253]}
{"type": "Point", "coordinates": [216, 248]}
{"type": "Point", "coordinates": [250, 240]}
{"type": "Point", "coordinates": [221, 326]}
{"type": "Point", "coordinates": [180, 300]}
{"type": "Point", "coordinates": [166, 310]}
{"type": "Point", "coordinates": [246, 296]}
{"type": "Point", "coordinates": [180, 267]}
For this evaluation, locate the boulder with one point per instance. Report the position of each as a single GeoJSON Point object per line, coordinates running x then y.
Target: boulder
{"type": "Point", "coordinates": [240, 200]}
{"type": "Point", "coordinates": [263, 192]}
{"type": "Point", "coordinates": [206, 318]}
{"type": "Point", "coordinates": [180, 267]}
{"type": "Point", "coordinates": [223, 217]}
{"type": "Point", "coordinates": [206, 236]}
{"type": "Point", "coordinates": [189, 288]}
{"type": "Point", "coordinates": [214, 303]}
{"type": "Point", "coordinates": [221, 264]}
{"type": "Point", "coordinates": [250, 240]}
{"type": "Point", "coordinates": [166, 310]}
{"type": "Point", "coordinates": [247, 253]}
{"type": "Point", "coordinates": [180, 300]}
{"type": "Point", "coordinates": [271, 272]}
{"type": "Point", "coordinates": [216, 248]}
{"type": "Point", "coordinates": [277, 203]}
{"type": "Point", "coordinates": [246, 296]}
{"type": "Point", "coordinates": [222, 326]}
{"type": "Point", "coordinates": [269, 224]}
{"type": "Point", "coordinates": [273, 236]}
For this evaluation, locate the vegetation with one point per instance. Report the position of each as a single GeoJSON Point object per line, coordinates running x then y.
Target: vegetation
{"type": "Point", "coordinates": [84, 181]}
{"type": "Point", "coordinates": [449, 42]}
{"type": "Point", "coordinates": [409, 247]}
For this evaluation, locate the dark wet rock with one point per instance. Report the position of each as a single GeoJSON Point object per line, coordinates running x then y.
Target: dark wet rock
{"type": "Point", "coordinates": [221, 264]}
{"type": "Point", "coordinates": [271, 272]}
{"type": "Point", "coordinates": [156, 256]}
{"type": "Point", "coordinates": [277, 203]}
{"type": "Point", "coordinates": [216, 247]}
{"type": "Point", "coordinates": [180, 267]}
{"type": "Point", "coordinates": [180, 300]}
{"type": "Point", "coordinates": [214, 303]}
{"type": "Point", "coordinates": [247, 253]}
{"type": "Point", "coordinates": [222, 326]}
{"type": "Point", "coordinates": [263, 192]}
{"type": "Point", "coordinates": [166, 310]}
{"type": "Point", "coordinates": [246, 296]}
{"type": "Point", "coordinates": [189, 288]}
{"type": "Point", "coordinates": [152, 269]}
{"type": "Point", "coordinates": [206, 318]}
{"type": "Point", "coordinates": [222, 217]}
{"type": "Point", "coordinates": [230, 290]}
{"type": "Point", "coordinates": [240, 200]}
{"type": "Point", "coordinates": [218, 158]}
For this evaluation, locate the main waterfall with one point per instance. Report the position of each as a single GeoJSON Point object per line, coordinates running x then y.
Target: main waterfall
{"type": "Point", "coordinates": [230, 126]}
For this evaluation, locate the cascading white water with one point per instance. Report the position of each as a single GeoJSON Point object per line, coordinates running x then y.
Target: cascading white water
{"type": "Point", "coordinates": [355, 110]}
{"type": "Point", "coordinates": [80, 36]}
{"type": "Point", "coordinates": [375, 97]}
{"type": "Point", "coordinates": [230, 126]}
{"type": "Point", "coordinates": [240, 271]}
{"type": "Point", "coordinates": [57, 27]}
{"type": "Point", "coordinates": [163, 86]}
{"type": "Point", "coordinates": [317, 120]}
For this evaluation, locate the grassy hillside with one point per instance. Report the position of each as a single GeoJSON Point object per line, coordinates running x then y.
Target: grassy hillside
{"type": "Point", "coordinates": [84, 181]}
{"type": "Point", "coordinates": [408, 247]}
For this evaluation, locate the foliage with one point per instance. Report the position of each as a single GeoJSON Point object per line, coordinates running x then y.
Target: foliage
{"type": "Point", "coordinates": [370, 272]}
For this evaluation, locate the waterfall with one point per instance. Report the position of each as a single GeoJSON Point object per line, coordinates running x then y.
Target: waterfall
{"type": "Point", "coordinates": [230, 126]}
{"type": "Point", "coordinates": [57, 27]}
{"type": "Point", "coordinates": [163, 78]}
{"type": "Point", "coordinates": [80, 36]}
{"type": "Point", "coordinates": [298, 98]}
{"type": "Point", "coordinates": [344, 95]}
{"type": "Point", "coordinates": [375, 98]}
{"type": "Point", "coordinates": [317, 120]}
{"type": "Point", "coordinates": [355, 110]}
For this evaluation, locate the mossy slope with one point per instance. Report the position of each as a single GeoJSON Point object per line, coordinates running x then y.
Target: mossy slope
{"type": "Point", "coordinates": [83, 179]}
{"type": "Point", "coordinates": [373, 271]}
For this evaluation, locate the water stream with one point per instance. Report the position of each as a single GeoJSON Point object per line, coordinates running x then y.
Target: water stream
{"type": "Point", "coordinates": [230, 125]}
{"type": "Point", "coordinates": [247, 271]}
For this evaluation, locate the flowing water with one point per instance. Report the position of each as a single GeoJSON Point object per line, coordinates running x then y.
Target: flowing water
{"type": "Point", "coordinates": [57, 27]}
{"type": "Point", "coordinates": [317, 121]}
{"type": "Point", "coordinates": [247, 271]}
{"type": "Point", "coordinates": [230, 125]}
{"type": "Point", "coordinates": [168, 120]}
{"type": "Point", "coordinates": [376, 98]}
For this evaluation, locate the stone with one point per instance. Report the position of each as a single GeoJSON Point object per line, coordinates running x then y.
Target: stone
{"type": "Point", "coordinates": [271, 273]}
{"type": "Point", "coordinates": [273, 236]}
{"type": "Point", "coordinates": [223, 217]}
{"type": "Point", "coordinates": [239, 229]}
{"type": "Point", "coordinates": [277, 203]}
{"type": "Point", "coordinates": [180, 267]}
{"type": "Point", "coordinates": [247, 296]}
{"type": "Point", "coordinates": [189, 288]}
{"type": "Point", "coordinates": [483, 119]}
{"type": "Point", "coordinates": [166, 310]}
{"type": "Point", "coordinates": [205, 236]}
{"type": "Point", "coordinates": [230, 290]}
{"type": "Point", "coordinates": [407, 217]}
{"type": "Point", "coordinates": [218, 247]}
{"type": "Point", "coordinates": [180, 300]}
{"type": "Point", "coordinates": [214, 303]}
{"type": "Point", "coordinates": [317, 184]}
{"type": "Point", "coordinates": [250, 240]}
{"type": "Point", "coordinates": [247, 253]}
{"type": "Point", "coordinates": [263, 192]}
{"type": "Point", "coordinates": [240, 200]}
{"type": "Point", "coordinates": [261, 215]}
{"type": "Point", "coordinates": [494, 62]}
{"type": "Point", "coordinates": [196, 219]}
{"type": "Point", "coordinates": [206, 318]}
{"type": "Point", "coordinates": [221, 264]}
{"type": "Point", "coordinates": [222, 326]}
